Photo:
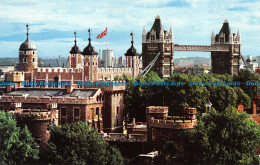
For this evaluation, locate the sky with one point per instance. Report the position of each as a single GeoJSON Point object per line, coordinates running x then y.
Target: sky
{"type": "Point", "coordinates": [52, 24]}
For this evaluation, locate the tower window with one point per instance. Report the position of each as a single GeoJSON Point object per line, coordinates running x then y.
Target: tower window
{"type": "Point", "coordinates": [33, 60]}
{"type": "Point", "coordinates": [24, 60]}
{"type": "Point", "coordinates": [33, 52]}
{"type": "Point", "coordinates": [76, 112]}
{"type": "Point", "coordinates": [97, 111]}
{"type": "Point", "coordinates": [24, 52]}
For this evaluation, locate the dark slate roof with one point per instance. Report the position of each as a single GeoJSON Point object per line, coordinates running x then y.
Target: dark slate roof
{"type": "Point", "coordinates": [89, 50]}
{"type": "Point", "coordinates": [225, 29]}
{"type": "Point", "coordinates": [75, 49]}
{"type": "Point", "coordinates": [131, 51]}
{"type": "Point", "coordinates": [53, 92]}
{"type": "Point", "coordinates": [157, 26]}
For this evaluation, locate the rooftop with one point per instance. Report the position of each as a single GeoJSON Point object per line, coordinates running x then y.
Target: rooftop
{"type": "Point", "coordinates": [53, 92]}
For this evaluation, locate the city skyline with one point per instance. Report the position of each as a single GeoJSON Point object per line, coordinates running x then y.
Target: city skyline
{"type": "Point", "coordinates": [52, 24]}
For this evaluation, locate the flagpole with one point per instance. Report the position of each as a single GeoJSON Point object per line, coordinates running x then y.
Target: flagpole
{"type": "Point", "coordinates": [106, 46]}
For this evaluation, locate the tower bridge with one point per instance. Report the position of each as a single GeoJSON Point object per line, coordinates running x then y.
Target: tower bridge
{"type": "Point", "coordinates": [225, 50]}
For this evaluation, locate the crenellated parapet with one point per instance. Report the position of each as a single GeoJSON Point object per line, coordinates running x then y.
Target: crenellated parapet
{"type": "Point", "coordinates": [58, 70]}
{"type": "Point", "coordinates": [173, 124]}
{"type": "Point", "coordinates": [112, 70]}
{"type": "Point", "coordinates": [47, 99]}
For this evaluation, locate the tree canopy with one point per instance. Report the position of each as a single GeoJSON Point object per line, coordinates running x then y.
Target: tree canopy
{"type": "Point", "coordinates": [77, 143]}
{"type": "Point", "coordinates": [17, 146]}
{"type": "Point", "coordinates": [227, 137]}
{"type": "Point", "coordinates": [176, 97]}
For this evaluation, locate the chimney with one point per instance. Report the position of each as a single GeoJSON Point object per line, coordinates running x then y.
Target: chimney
{"type": "Point", "coordinates": [9, 88]}
{"type": "Point", "coordinates": [71, 87]}
{"type": "Point", "coordinates": [133, 121]}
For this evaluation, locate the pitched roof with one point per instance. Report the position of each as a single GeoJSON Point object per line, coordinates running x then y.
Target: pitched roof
{"type": "Point", "coordinates": [157, 26]}
{"type": "Point", "coordinates": [225, 30]}
{"type": "Point", "coordinates": [53, 92]}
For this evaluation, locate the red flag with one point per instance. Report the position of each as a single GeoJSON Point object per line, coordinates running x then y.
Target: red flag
{"type": "Point", "coordinates": [102, 34]}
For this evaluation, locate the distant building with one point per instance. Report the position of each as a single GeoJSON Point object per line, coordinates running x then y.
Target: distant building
{"type": "Point", "coordinates": [115, 61]}
{"type": "Point", "coordinates": [199, 69]}
{"type": "Point", "coordinates": [4, 69]}
{"type": "Point", "coordinates": [107, 57]}
{"type": "Point", "coordinates": [120, 61]}
{"type": "Point", "coordinates": [250, 64]}
{"type": "Point", "coordinates": [186, 62]}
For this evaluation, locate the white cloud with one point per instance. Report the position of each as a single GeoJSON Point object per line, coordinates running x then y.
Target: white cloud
{"type": "Point", "coordinates": [192, 23]}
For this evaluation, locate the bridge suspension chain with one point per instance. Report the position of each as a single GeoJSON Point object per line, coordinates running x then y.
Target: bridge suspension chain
{"type": "Point", "coordinates": [149, 67]}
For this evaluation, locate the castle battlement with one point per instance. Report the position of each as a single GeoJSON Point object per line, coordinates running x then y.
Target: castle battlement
{"type": "Point", "coordinates": [58, 70]}
{"type": "Point", "coordinates": [157, 109]}
{"type": "Point", "coordinates": [173, 124]}
{"type": "Point", "coordinates": [32, 115]}
{"type": "Point", "coordinates": [111, 70]}
{"type": "Point", "coordinates": [47, 99]}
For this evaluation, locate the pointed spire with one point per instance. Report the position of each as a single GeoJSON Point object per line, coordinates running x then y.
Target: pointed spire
{"type": "Point", "coordinates": [212, 34]}
{"type": "Point", "coordinates": [89, 39]}
{"type": "Point", "coordinates": [213, 37]}
{"type": "Point", "coordinates": [27, 27]}
{"type": "Point", "coordinates": [75, 34]}
{"type": "Point", "coordinates": [230, 33]}
{"type": "Point", "coordinates": [144, 32]}
{"type": "Point", "coordinates": [226, 21]}
{"type": "Point", "coordinates": [170, 31]}
{"type": "Point", "coordinates": [132, 42]}
{"type": "Point", "coordinates": [230, 37]}
{"type": "Point", "coordinates": [131, 51]}
{"type": "Point", "coordinates": [238, 33]}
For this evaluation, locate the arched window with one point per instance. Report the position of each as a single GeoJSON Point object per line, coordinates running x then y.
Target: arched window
{"type": "Point", "coordinates": [24, 60]}
{"type": "Point", "coordinates": [33, 60]}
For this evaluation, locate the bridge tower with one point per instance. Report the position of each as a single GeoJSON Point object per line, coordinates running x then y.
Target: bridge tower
{"type": "Point", "coordinates": [155, 41]}
{"type": "Point", "coordinates": [226, 62]}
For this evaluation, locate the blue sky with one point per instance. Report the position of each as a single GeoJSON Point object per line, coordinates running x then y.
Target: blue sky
{"type": "Point", "coordinates": [52, 23]}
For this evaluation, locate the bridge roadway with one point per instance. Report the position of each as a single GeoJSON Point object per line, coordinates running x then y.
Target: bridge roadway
{"type": "Point", "coordinates": [201, 48]}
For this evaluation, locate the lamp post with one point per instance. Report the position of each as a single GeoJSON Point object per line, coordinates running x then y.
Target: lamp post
{"type": "Point", "coordinates": [208, 106]}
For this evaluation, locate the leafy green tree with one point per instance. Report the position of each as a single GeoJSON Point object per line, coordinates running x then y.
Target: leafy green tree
{"type": "Point", "coordinates": [168, 154]}
{"type": "Point", "coordinates": [245, 75]}
{"type": "Point", "coordinates": [16, 146]}
{"type": "Point", "coordinates": [227, 137]}
{"type": "Point", "coordinates": [77, 143]}
{"type": "Point", "coordinates": [222, 96]}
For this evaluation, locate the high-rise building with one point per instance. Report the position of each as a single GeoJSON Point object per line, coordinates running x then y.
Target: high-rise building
{"type": "Point", "coordinates": [107, 57]}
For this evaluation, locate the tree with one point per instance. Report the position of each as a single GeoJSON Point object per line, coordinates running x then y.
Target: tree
{"type": "Point", "coordinates": [16, 146]}
{"type": "Point", "coordinates": [244, 76]}
{"type": "Point", "coordinates": [227, 137]}
{"type": "Point", "coordinates": [168, 154]}
{"type": "Point", "coordinates": [77, 143]}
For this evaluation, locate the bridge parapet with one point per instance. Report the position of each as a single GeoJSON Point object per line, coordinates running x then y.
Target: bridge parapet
{"type": "Point", "coordinates": [201, 48]}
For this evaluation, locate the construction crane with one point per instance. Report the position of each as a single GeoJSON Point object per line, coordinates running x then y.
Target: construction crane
{"type": "Point", "coordinates": [58, 61]}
